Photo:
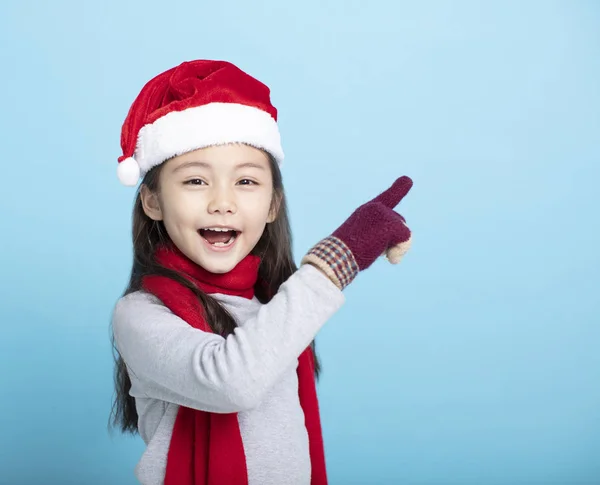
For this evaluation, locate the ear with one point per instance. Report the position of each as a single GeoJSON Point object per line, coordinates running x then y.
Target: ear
{"type": "Point", "coordinates": [274, 208]}
{"type": "Point", "coordinates": [150, 203]}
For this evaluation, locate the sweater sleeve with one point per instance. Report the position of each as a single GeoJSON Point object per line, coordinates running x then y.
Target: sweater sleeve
{"type": "Point", "coordinates": [172, 361]}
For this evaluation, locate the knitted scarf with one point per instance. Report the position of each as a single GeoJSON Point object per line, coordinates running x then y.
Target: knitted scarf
{"type": "Point", "coordinates": [206, 448]}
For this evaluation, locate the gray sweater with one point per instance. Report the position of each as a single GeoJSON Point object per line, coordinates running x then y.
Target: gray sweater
{"type": "Point", "coordinates": [252, 372]}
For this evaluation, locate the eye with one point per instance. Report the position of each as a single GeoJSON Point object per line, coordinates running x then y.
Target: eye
{"type": "Point", "coordinates": [247, 182]}
{"type": "Point", "coordinates": [195, 182]}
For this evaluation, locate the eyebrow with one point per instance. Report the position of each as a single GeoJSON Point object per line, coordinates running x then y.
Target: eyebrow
{"type": "Point", "coordinates": [197, 163]}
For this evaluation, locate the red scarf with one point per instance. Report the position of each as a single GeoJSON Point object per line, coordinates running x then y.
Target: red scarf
{"type": "Point", "coordinates": [206, 448]}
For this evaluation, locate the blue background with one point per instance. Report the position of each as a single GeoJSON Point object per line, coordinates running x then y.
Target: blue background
{"type": "Point", "coordinates": [474, 361]}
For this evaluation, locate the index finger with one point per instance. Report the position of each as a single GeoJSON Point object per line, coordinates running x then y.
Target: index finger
{"type": "Point", "coordinates": [392, 196]}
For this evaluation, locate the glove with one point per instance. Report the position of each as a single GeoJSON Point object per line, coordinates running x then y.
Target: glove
{"type": "Point", "coordinates": [374, 229]}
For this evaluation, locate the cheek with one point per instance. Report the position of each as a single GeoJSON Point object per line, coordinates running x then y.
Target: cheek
{"type": "Point", "coordinates": [179, 210]}
{"type": "Point", "coordinates": [254, 217]}
{"type": "Point", "coordinates": [261, 209]}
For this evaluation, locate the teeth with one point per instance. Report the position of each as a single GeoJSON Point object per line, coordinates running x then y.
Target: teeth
{"type": "Point", "coordinates": [218, 229]}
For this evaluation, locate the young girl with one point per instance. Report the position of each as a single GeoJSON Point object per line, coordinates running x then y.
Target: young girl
{"type": "Point", "coordinates": [214, 336]}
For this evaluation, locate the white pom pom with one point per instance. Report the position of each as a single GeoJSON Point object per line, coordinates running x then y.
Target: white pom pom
{"type": "Point", "coordinates": [128, 172]}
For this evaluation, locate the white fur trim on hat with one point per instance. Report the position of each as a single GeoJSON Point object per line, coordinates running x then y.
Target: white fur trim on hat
{"type": "Point", "coordinates": [179, 132]}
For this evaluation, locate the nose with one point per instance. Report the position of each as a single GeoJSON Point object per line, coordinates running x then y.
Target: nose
{"type": "Point", "coordinates": [222, 201]}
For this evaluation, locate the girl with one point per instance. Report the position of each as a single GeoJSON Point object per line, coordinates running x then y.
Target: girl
{"type": "Point", "coordinates": [214, 336]}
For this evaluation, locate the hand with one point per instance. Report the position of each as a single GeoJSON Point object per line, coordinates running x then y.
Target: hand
{"type": "Point", "coordinates": [371, 230]}
{"type": "Point", "coordinates": [375, 228]}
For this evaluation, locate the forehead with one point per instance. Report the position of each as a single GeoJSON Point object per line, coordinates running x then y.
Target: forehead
{"type": "Point", "coordinates": [221, 157]}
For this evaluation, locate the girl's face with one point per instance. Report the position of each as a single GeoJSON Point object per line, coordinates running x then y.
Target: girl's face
{"type": "Point", "coordinates": [228, 187]}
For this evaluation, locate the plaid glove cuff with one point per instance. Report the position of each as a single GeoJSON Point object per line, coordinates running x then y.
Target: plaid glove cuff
{"type": "Point", "coordinates": [334, 258]}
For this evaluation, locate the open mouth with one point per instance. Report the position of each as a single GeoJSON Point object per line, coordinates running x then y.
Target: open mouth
{"type": "Point", "coordinates": [219, 237]}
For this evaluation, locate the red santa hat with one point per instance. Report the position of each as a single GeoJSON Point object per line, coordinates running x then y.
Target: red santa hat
{"type": "Point", "coordinates": [194, 105]}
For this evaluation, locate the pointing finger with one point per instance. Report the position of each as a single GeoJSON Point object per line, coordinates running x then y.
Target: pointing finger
{"type": "Point", "coordinates": [392, 196]}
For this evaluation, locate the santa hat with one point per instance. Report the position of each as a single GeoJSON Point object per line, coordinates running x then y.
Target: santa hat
{"type": "Point", "coordinates": [194, 105]}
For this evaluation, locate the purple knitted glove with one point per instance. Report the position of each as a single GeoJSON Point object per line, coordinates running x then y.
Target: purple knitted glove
{"type": "Point", "coordinates": [372, 230]}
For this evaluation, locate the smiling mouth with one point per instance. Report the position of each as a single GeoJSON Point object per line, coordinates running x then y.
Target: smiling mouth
{"type": "Point", "coordinates": [219, 237]}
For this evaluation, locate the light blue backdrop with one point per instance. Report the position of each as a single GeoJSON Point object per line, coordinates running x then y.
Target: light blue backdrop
{"type": "Point", "coordinates": [475, 361]}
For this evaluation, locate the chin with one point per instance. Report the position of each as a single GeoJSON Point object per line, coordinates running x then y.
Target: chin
{"type": "Point", "coordinates": [217, 267]}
